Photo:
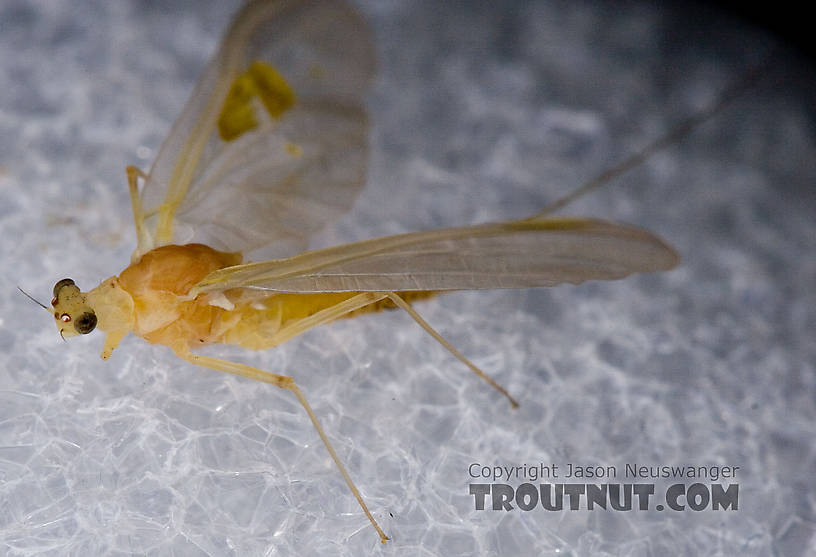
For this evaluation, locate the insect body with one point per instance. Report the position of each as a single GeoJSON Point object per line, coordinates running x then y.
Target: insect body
{"type": "Point", "coordinates": [270, 147]}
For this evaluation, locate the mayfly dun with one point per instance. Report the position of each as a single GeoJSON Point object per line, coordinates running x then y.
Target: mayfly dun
{"type": "Point", "coordinates": [271, 146]}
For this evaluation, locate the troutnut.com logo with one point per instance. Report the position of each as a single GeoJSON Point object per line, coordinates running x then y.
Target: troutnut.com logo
{"type": "Point", "coordinates": [682, 487]}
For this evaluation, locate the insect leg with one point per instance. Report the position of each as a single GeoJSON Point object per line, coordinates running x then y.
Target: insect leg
{"type": "Point", "coordinates": [430, 330]}
{"type": "Point", "coordinates": [143, 238]}
{"type": "Point", "coordinates": [284, 382]}
{"type": "Point", "coordinates": [327, 315]}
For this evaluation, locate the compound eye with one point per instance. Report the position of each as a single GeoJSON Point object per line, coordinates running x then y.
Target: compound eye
{"type": "Point", "coordinates": [85, 323]}
{"type": "Point", "coordinates": [62, 284]}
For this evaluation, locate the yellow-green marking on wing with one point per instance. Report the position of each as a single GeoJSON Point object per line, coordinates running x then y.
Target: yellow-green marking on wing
{"type": "Point", "coordinates": [238, 113]}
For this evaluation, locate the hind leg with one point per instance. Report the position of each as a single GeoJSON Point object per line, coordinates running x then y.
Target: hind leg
{"type": "Point", "coordinates": [394, 297]}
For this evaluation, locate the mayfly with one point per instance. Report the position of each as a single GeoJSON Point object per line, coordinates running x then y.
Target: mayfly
{"type": "Point", "coordinates": [270, 147]}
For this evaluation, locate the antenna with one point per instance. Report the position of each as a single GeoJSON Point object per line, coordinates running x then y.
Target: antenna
{"type": "Point", "coordinates": [33, 299]}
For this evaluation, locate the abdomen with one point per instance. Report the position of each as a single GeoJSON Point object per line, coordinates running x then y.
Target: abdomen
{"type": "Point", "coordinates": [255, 325]}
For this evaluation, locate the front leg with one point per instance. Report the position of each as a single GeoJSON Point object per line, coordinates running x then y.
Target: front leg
{"type": "Point", "coordinates": [284, 382]}
{"type": "Point", "coordinates": [142, 237]}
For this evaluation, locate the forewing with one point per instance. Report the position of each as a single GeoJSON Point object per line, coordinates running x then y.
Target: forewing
{"type": "Point", "coordinates": [516, 254]}
{"type": "Point", "coordinates": [294, 169]}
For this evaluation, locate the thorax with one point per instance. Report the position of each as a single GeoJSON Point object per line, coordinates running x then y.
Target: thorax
{"type": "Point", "coordinates": [158, 284]}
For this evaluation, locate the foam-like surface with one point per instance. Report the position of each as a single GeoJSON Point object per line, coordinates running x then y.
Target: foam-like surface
{"type": "Point", "coordinates": [478, 114]}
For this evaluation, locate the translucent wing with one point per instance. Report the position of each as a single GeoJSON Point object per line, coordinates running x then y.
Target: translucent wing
{"type": "Point", "coordinates": [272, 144]}
{"type": "Point", "coordinates": [516, 254]}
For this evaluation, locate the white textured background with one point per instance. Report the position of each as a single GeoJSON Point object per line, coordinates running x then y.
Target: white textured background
{"type": "Point", "coordinates": [479, 113]}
